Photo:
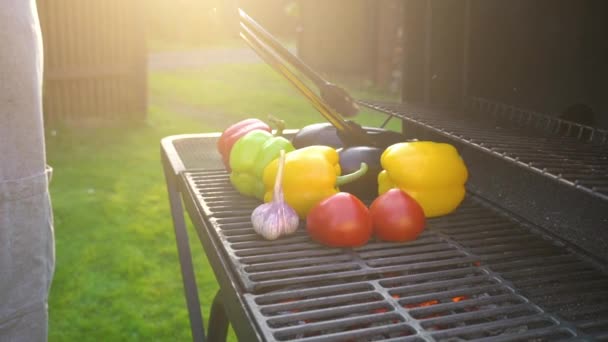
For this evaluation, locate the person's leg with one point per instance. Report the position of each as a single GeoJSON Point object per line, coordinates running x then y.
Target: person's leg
{"type": "Point", "coordinates": [26, 233]}
{"type": "Point", "coordinates": [26, 261]}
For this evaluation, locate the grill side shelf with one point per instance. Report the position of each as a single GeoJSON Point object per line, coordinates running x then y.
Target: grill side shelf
{"type": "Point", "coordinates": [435, 289]}
{"type": "Point", "coordinates": [556, 183]}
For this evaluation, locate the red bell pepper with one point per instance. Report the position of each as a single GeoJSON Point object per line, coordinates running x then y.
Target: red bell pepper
{"type": "Point", "coordinates": [234, 133]}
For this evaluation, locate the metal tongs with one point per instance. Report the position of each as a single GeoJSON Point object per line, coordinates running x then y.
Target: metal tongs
{"type": "Point", "coordinates": [333, 99]}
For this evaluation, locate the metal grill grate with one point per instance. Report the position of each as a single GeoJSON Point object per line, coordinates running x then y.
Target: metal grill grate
{"type": "Point", "coordinates": [527, 118]}
{"type": "Point", "coordinates": [475, 274]}
{"type": "Point", "coordinates": [197, 153]}
{"type": "Point", "coordinates": [579, 158]}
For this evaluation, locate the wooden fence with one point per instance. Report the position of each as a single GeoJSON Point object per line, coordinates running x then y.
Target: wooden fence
{"type": "Point", "coordinates": [95, 60]}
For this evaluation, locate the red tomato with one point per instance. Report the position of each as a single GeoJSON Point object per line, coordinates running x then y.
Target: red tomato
{"type": "Point", "coordinates": [341, 220]}
{"type": "Point", "coordinates": [396, 216]}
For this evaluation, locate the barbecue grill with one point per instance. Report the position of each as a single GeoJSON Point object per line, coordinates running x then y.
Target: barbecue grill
{"type": "Point", "coordinates": [523, 258]}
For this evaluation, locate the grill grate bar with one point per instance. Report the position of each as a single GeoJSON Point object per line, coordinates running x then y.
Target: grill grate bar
{"type": "Point", "coordinates": [402, 330]}
{"type": "Point", "coordinates": [423, 240]}
{"type": "Point", "coordinates": [356, 274]}
{"type": "Point", "coordinates": [594, 324]}
{"type": "Point", "coordinates": [530, 262]}
{"type": "Point", "coordinates": [244, 236]}
{"type": "Point", "coordinates": [264, 258]}
{"type": "Point", "coordinates": [592, 309]}
{"type": "Point", "coordinates": [288, 294]}
{"type": "Point", "coordinates": [413, 250]}
{"type": "Point", "coordinates": [501, 241]}
{"type": "Point", "coordinates": [452, 284]}
{"type": "Point", "coordinates": [365, 297]}
{"type": "Point", "coordinates": [405, 339]}
{"type": "Point", "coordinates": [429, 297]}
{"type": "Point", "coordinates": [481, 315]}
{"type": "Point", "coordinates": [497, 256]}
{"type": "Point", "coordinates": [499, 230]}
{"type": "Point", "coordinates": [291, 263]}
{"type": "Point", "coordinates": [547, 334]}
{"type": "Point", "coordinates": [312, 327]}
{"type": "Point", "coordinates": [414, 258]}
{"type": "Point", "coordinates": [452, 306]}
{"type": "Point", "coordinates": [420, 277]}
{"type": "Point", "coordinates": [568, 266]}
{"type": "Point", "coordinates": [496, 325]}
{"type": "Point", "coordinates": [562, 288]}
{"type": "Point", "coordinates": [575, 275]}
{"type": "Point", "coordinates": [298, 241]}
{"type": "Point", "coordinates": [323, 314]}
{"type": "Point", "coordinates": [314, 269]}
{"type": "Point", "coordinates": [557, 301]}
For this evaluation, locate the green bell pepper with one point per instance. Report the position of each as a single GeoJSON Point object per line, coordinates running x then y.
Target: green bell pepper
{"type": "Point", "coordinates": [249, 157]}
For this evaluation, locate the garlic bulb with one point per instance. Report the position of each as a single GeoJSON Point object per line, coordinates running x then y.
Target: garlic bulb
{"type": "Point", "coordinates": [276, 218]}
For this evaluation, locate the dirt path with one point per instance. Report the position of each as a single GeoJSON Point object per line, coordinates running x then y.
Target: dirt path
{"type": "Point", "coordinates": [196, 59]}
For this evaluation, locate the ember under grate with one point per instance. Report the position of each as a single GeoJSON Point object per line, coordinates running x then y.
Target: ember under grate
{"type": "Point", "coordinates": [475, 274]}
{"type": "Point", "coordinates": [577, 157]}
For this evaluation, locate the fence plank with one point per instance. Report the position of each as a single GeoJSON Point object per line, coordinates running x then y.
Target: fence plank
{"type": "Point", "coordinates": [95, 60]}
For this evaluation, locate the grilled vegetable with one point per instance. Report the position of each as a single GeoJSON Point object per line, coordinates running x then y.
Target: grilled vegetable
{"type": "Point", "coordinates": [317, 134]}
{"type": "Point", "coordinates": [340, 220]}
{"type": "Point", "coordinates": [249, 157]}
{"type": "Point", "coordinates": [233, 133]}
{"type": "Point", "coordinates": [432, 173]}
{"type": "Point", "coordinates": [276, 218]}
{"type": "Point", "coordinates": [311, 175]}
{"type": "Point", "coordinates": [351, 158]}
{"type": "Point", "coordinates": [396, 216]}
{"type": "Point", "coordinates": [326, 134]}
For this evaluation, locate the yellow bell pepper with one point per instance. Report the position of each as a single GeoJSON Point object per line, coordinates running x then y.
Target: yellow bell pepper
{"type": "Point", "coordinates": [432, 173]}
{"type": "Point", "coordinates": [310, 175]}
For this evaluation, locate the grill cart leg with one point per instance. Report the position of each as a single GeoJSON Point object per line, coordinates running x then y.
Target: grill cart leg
{"type": "Point", "coordinates": [185, 257]}
{"type": "Point", "coordinates": [218, 321]}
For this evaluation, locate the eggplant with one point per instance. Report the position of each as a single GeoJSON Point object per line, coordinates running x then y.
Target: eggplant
{"type": "Point", "coordinates": [317, 134]}
{"type": "Point", "coordinates": [326, 134]}
{"type": "Point", "coordinates": [366, 187]}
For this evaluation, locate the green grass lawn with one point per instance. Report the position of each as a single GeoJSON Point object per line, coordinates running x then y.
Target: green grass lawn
{"type": "Point", "coordinates": [117, 275]}
{"type": "Point", "coordinates": [229, 93]}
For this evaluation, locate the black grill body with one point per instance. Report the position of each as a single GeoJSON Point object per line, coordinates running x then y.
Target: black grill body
{"type": "Point", "coordinates": [480, 273]}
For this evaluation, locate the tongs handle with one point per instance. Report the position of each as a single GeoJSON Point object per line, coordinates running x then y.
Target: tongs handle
{"type": "Point", "coordinates": [281, 50]}
{"type": "Point", "coordinates": [335, 96]}
{"type": "Point", "coordinates": [349, 131]}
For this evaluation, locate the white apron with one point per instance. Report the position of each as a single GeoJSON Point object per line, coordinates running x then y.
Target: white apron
{"type": "Point", "coordinates": [27, 257]}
